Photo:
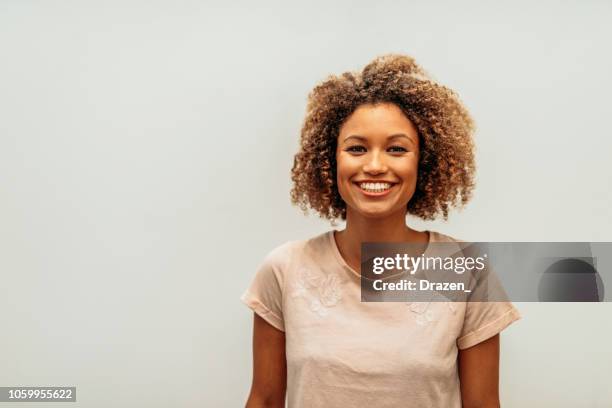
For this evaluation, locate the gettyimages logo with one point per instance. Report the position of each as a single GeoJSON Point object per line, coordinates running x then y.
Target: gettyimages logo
{"type": "Point", "coordinates": [485, 272]}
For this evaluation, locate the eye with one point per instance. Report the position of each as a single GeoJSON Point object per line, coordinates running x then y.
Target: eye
{"type": "Point", "coordinates": [397, 149]}
{"type": "Point", "coordinates": [356, 149]}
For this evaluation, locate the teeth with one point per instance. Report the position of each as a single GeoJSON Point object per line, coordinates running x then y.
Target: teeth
{"type": "Point", "coordinates": [375, 187]}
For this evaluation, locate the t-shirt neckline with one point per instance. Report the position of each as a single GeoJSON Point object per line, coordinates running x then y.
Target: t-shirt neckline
{"type": "Point", "coordinates": [336, 251]}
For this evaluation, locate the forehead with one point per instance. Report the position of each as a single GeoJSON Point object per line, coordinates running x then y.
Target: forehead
{"type": "Point", "coordinates": [378, 119]}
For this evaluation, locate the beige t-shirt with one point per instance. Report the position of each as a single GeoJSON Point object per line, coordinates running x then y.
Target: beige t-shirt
{"type": "Point", "coordinates": [342, 352]}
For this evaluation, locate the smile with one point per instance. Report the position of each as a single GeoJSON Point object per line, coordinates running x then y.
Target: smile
{"type": "Point", "coordinates": [375, 189]}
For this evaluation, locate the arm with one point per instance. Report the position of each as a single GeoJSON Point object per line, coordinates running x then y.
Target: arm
{"type": "Point", "coordinates": [269, 366]}
{"type": "Point", "coordinates": [479, 374]}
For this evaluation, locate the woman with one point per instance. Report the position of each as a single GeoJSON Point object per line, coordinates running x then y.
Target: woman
{"type": "Point", "coordinates": [375, 146]}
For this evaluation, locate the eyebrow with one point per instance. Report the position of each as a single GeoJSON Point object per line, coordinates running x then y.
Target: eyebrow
{"type": "Point", "coordinates": [394, 136]}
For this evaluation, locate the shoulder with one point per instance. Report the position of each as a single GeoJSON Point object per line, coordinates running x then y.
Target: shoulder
{"type": "Point", "coordinates": [284, 255]}
{"type": "Point", "coordinates": [439, 237]}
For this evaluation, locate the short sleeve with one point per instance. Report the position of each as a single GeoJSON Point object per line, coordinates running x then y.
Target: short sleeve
{"type": "Point", "coordinates": [265, 293]}
{"type": "Point", "coordinates": [489, 310]}
{"type": "Point", "coordinates": [484, 320]}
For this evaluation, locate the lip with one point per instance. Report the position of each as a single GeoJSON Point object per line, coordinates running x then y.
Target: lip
{"type": "Point", "coordinates": [374, 181]}
{"type": "Point", "coordinates": [372, 194]}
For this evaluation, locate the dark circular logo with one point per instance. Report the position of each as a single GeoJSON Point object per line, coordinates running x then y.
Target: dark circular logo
{"type": "Point", "coordinates": [571, 280]}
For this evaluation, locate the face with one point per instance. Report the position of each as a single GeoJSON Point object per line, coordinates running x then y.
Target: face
{"type": "Point", "coordinates": [377, 161]}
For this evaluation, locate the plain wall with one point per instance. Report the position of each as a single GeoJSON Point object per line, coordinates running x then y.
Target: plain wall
{"type": "Point", "coordinates": [145, 150]}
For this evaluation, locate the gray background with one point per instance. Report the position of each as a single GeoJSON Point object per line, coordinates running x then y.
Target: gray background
{"type": "Point", "coordinates": [145, 150]}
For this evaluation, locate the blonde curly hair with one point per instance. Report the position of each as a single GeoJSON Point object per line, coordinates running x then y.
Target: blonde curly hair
{"type": "Point", "coordinates": [446, 164]}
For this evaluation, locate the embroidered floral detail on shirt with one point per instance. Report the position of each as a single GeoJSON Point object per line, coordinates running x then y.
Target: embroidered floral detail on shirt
{"type": "Point", "coordinates": [424, 314]}
{"type": "Point", "coordinates": [321, 291]}
{"type": "Point", "coordinates": [425, 318]}
{"type": "Point", "coordinates": [318, 308]}
{"type": "Point", "coordinates": [329, 291]}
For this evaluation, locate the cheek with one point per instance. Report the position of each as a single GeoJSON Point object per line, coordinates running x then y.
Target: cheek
{"type": "Point", "coordinates": [345, 169]}
{"type": "Point", "coordinates": [409, 172]}
{"type": "Point", "coordinates": [410, 168]}
{"type": "Point", "coordinates": [412, 173]}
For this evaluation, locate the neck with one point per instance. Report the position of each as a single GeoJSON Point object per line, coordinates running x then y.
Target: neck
{"type": "Point", "coordinates": [362, 229]}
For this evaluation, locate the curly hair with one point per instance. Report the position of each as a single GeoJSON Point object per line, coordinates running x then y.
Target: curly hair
{"type": "Point", "coordinates": [446, 166]}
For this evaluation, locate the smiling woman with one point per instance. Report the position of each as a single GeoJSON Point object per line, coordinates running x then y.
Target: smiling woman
{"type": "Point", "coordinates": [377, 156]}
{"type": "Point", "coordinates": [433, 117]}
{"type": "Point", "coordinates": [375, 146]}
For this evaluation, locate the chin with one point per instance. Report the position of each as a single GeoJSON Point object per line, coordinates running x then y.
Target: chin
{"type": "Point", "coordinates": [374, 213]}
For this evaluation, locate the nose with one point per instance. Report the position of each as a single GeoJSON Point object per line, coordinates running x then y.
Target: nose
{"type": "Point", "coordinates": [375, 163]}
